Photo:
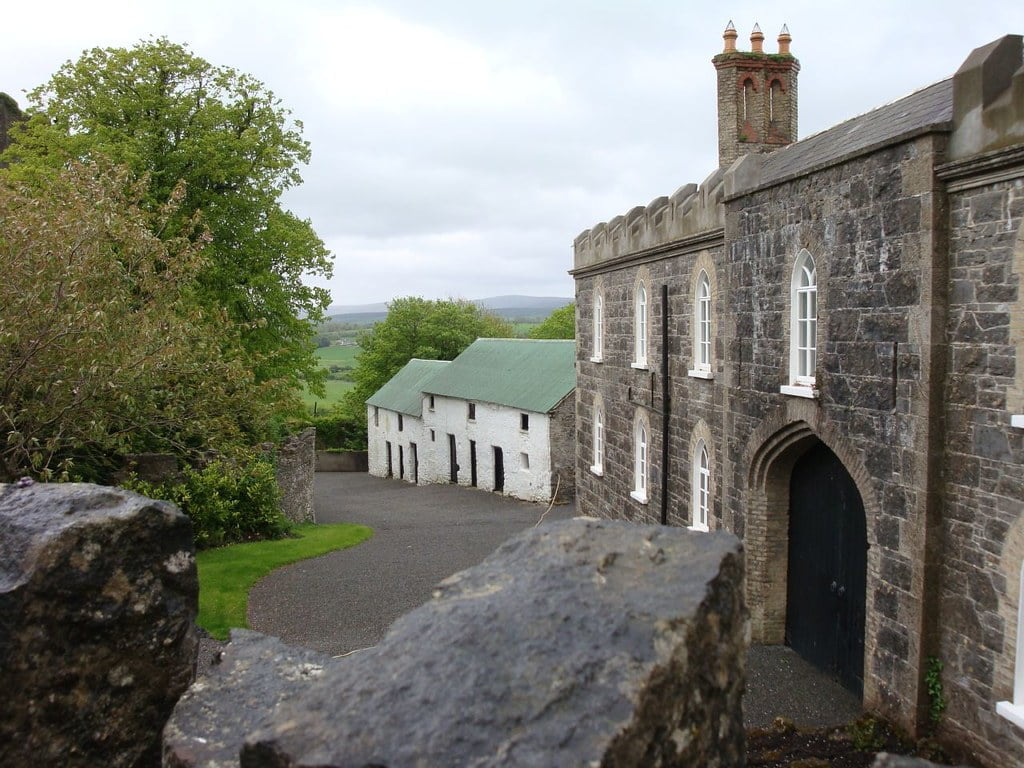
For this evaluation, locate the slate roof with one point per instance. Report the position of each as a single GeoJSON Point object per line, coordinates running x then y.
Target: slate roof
{"type": "Point", "coordinates": [528, 374]}
{"type": "Point", "coordinates": [404, 391]}
{"type": "Point", "coordinates": [928, 109]}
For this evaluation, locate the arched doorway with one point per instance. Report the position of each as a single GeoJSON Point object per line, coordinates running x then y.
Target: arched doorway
{"type": "Point", "coordinates": [827, 566]}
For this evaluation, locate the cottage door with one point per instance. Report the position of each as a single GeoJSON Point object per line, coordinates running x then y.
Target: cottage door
{"type": "Point", "coordinates": [414, 463]}
{"type": "Point", "coordinates": [499, 470]}
{"type": "Point", "coordinates": [401, 461]}
{"type": "Point", "coordinates": [391, 470]}
{"type": "Point", "coordinates": [472, 463]}
{"type": "Point", "coordinates": [453, 463]}
{"type": "Point", "coordinates": [827, 567]}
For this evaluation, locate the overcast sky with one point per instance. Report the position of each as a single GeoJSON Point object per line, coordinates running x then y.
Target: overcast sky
{"type": "Point", "coordinates": [459, 147]}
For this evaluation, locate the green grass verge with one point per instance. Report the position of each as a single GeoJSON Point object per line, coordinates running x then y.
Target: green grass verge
{"type": "Point", "coordinates": [335, 392]}
{"type": "Point", "coordinates": [226, 574]}
{"type": "Point", "coordinates": [337, 355]}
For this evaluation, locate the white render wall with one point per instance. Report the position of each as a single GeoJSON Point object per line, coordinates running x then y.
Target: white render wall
{"type": "Point", "coordinates": [383, 429]}
{"type": "Point", "coordinates": [495, 425]}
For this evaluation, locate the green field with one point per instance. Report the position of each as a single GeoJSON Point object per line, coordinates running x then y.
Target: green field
{"type": "Point", "coordinates": [335, 389]}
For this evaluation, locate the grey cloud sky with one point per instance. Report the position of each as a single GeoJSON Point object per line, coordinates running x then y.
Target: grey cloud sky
{"type": "Point", "coordinates": [459, 147]}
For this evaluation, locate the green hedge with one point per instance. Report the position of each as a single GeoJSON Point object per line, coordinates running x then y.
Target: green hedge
{"type": "Point", "coordinates": [338, 431]}
{"type": "Point", "coordinates": [227, 500]}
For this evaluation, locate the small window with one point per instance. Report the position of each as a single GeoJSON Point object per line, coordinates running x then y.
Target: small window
{"type": "Point", "coordinates": [598, 328]}
{"type": "Point", "coordinates": [701, 484]}
{"type": "Point", "coordinates": [376, 416]}
{"type": "Point", "coordinates": [472, 411]}
{"type": "Point", "coordinates": [640, 461]}
{"type": "Point", "coordinates": [702, 328]}
{"type": "Point", "coordinates": [598, 466]}
{"type": "Point", "coordinates": [432, 436]}
{"type": "Point", "coordinates": [431, 406]}
{"type": "Point", "coordinates": [401, 423]}
{"type": "Point", "coordinates": [524, 422]}
{"type": "Point", "coordinates": [640, 327]}
{"type": "Point", "coordinates": [1014, 710]}
{"type": "Point", "coordinates": [524, 460]}
{"type": "Point", "coordinates": [803, 327]}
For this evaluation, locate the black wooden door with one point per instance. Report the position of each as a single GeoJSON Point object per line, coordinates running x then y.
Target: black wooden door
{"type": "Point", "coordinates": [499, 470]}
{"type": "Point", "coordinates": [401, 461]}
{"type": "Point", "coordinates": [390, 466]}
{"type": "Point", "coordinates": [414, 462]}
{"type": "Point", "coordinates": [452, 460]}
{"type": "Point", "coordinates": [472, 463]}
{"type": "Point", "coordinates": [827, 567]}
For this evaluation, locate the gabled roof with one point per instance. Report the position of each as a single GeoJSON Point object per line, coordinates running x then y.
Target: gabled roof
{"type": "Point", "coordinates": [925, 110]}
{"type": "Point", "coordinates": [529, 374]}
{"type": "Point", "coordinates": [404, 391]}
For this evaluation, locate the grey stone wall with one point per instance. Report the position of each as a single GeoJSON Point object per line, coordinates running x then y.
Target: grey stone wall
{"type": "Point", "coordinates": [295, 464]}
{"type": "Point", "coordinates": [562, 431]}
{"type": "Point", "coordinates": [575, 643]}
{"type": "Point", "coordinates": [98, 599]}
{"type": "Point", "coordinates": [983, 525]}
{"type": "Point", "coordinates": [341, 461]}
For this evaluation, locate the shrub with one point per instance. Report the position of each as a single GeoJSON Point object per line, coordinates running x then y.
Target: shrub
{"type": "Point", "coordinates": [227, 500]}
{"type": "Point", "coordinates": [336, 430]}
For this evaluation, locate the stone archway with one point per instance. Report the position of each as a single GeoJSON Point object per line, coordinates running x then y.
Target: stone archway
{"type": "Point", "coordinates": [774, 451]}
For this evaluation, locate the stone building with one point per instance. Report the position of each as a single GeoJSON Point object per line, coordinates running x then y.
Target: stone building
{"type": "Point", "coordinates": [821, 349]}
{"type": "Point", "coordinates": [500, 416]}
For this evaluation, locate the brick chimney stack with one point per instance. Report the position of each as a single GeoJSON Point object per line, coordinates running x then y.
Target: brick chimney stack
{"type": "Point", "coordinates": [757, 96]}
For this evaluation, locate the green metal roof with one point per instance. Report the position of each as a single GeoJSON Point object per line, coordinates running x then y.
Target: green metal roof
{"type": "Point", "coordinates": [404, 391]}
{"type": "Point", "coordinates": [530, 374]}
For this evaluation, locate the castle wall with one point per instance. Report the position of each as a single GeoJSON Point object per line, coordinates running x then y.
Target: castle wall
{"type": "Point", "coordinates": [983, 524]}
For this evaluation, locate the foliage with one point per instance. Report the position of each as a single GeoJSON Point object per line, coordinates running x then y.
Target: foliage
{"type": "Point", "coordinates": [416, 327]}
{"type": "Point", "coordinates": [104, 348]}
{"type": "Point", "coordinates": [560, 324]}
{"type": "Point", "coordinates": [339, 431]}
{"type": "Point", "coordinates": [227, 574]}
{"type": "Point", "coordinates": [227, 500]}
{"type": "Point", "coordinates": [868, 734]}
{"type": "Point", "coordinates": [933, 683]}
{"type": "Point", "coordinates": [169, 117]}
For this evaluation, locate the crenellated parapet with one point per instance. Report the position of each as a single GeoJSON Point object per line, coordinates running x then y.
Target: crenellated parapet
{"type": "Point", "coordinates": [690, 211]}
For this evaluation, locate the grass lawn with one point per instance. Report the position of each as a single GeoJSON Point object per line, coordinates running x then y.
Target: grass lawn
{"type": "Point", "coordinates": [335, 390]}
{"type": "Point", "coordinates": [226, 574]}
{"type": "Point", "coordinates": [337, 355]}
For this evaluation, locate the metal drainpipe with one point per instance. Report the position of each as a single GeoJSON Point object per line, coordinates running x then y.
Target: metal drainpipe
{"type": "Point", "coordinates": [666, 404]}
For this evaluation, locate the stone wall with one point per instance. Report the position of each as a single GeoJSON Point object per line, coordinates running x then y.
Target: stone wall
{"type": "Point", "coordinates": [562, 435]}
{"type": "Point", "coordinates": [294, 465]}
{"type": "Point", "coordinates": [98, 598]}
{"type": "Point", "coordinates": [983, 525]}
{"type": "Point", "coordinates": [342, 461]}
{"type": "Point", "coordinates": [575, 643]}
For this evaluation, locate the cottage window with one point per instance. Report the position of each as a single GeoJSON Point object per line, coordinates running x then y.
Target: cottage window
{"type": "Point", "coordinates": [702, 328]}
{"type": "Point", "coordinates": [524, 422]}
{"type": "Point", "coordinates": [701, 488]}
{"type": "Point", "coordinates": [472, 411]}
{"type": "Point", "coordinates": [1014, 710]}
{"type": "Point", "coordinates": [524, 460]}
{"type": "Point", "coordinates": [598, 328]}
{"type": "Point", "coordinates": [376, 416]}
{"type": "Point", "coordinates": [598, 466]}
{"type": "Point", "coordinates": [640, 461]}
{"type": "Point", "coordinates": [803, 328]}
{"type": "Point", "coordinates": [401, 423]}
{"type": "Point", "coordinates": [433, 437]}
{"type": "Point", "coordinates": [431, 402]}
{"type": "Point", "coordinates": [640, 327]}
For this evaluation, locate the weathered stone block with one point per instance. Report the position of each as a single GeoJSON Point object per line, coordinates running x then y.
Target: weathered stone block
{"type": "Point", "coordinates": [98, 598]}
{"type": "Point", "coordinates": [581, 642]}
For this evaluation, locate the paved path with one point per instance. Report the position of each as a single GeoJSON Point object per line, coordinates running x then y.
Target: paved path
{"type": "Point", "coordinates": [346, 600]}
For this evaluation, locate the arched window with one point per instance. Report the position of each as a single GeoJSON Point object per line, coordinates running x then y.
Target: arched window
{"type": "Point", "coordinates": [598, 466]}
{"type": "Point", "coordinates": [640, 327]}
{"type": "Point", "coordinates": [702, 325]}
{"type": "Point", "coordinates": [803, 328]}
{"type": "Point", "coordinates": [598, 327]}
{"type": "Point", "coordinates": [748, 96]}
{"type": "Point", "coordinates": [1014, 710]}
{"type": "Point", "coordinates": [701, 488]}
{"type": "Point", "coordinates": [640, 461]}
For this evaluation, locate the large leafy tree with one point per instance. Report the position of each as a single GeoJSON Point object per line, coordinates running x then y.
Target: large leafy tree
{"type": "Point", "coordinates": [416, 327]}
{"type": "Point", "coordinates": [169, 116]}
{"type": "Point", "coordinates": [560, 324]}
{"type": "Point", "coordinates": [105, 348]}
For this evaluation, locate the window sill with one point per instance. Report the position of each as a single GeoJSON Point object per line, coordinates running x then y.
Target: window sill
{"type": "Point", "coordinates": [1017, 420]}
{"type": "Point", "coordinates": [597, 359]}
{"type": "Point", "coordinates": [1012, 712]}
{"type": "Point", "coordinates": [639, 366]}
{"type": "Point", "coordinates": [699, 374]}
{"type": "Point", "coordinates": [701, 528]}
{"type": "Point", "coordinates": [638, 496]}
{"type": "Point", "coordinates": [799, 390]}
{"type": "Point", "coordinates": [599, 471]}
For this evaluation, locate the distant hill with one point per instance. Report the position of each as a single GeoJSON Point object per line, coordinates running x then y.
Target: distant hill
{"type": "Point", "coordinates": [507, 307]}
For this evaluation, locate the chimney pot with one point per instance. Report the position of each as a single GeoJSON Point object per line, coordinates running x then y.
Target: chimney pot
{"type": "Point", "coordinates": [757, 39]}
{"type": "Point", "coordinates": [730, 36]}
{"type": "Point", "coordinates": [784, 40]}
